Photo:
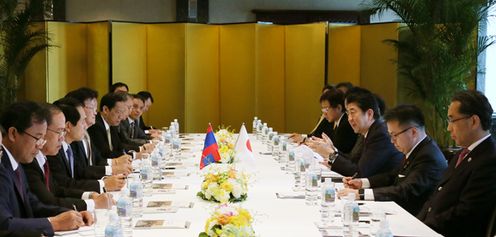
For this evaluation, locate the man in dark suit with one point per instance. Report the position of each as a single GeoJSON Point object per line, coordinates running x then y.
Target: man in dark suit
{"type": "Point", "coordinates": [464, 199]}
{"type": "Point", "coordinates": [92, 164]}
{"type": "Point", "coordinates": [378, 155]}
{"type": "Point", "coordinates": [148, 103]}
{"type": "Point", "coordinates": [104, 133]}
{"type": "Point", "coordinates": [342, 135]}
{"type": "Point", "coordinates": [63, 165]}
{"type": "Point", "coordinates": [414, 181]}
{"type": "Point", "coordinates": [20, 210]}
{"type": "Point", "coordinates": [41, 181]}
{"type": "Point", "coordinates": [127, 129]}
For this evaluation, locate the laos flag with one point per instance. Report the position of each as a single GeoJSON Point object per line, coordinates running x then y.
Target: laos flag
{"type": "Point", "coordinates": [210, 152]}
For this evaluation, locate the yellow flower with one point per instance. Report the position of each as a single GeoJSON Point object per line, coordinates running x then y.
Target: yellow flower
{"type": "Point", "coordinates": [227, 186]}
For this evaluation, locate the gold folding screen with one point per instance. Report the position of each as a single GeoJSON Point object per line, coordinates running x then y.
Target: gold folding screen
{"type": "Point", "coordinates": [223, 74]}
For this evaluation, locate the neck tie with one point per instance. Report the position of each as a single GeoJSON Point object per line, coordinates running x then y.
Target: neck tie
{"type": "Point", "coordinates": [462, 156]}
{"type": "Point", "coordinates": [109, 140]}
{"type": "Point", "coordinates": [89, 154]}
{"type": "Point", "coordinates": [70, 159]}
{"type": "Point", "coordinates": [18, 181]}
{"type": "Point", "coordinates": [131, 130]}
{"type": "Point", "coordinates": [46, 170]}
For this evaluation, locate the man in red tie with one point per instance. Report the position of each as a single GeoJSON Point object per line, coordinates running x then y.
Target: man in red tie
{"type": "Point", "coordinates": [465, 198]}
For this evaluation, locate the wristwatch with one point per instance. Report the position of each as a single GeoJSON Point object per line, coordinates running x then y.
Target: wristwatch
{"type": "Point", "coordinates": [333, 156]}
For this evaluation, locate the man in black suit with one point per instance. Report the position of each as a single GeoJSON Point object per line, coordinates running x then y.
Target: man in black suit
{"type": "Point", "coordinates": [342, 135]}
{"type": "Point", "coordinates": [20, 210]}
{"type": "Point", "coordinates": [149, 130]}
{"type": "Point", "coordinates": [92, 164]}
{"type": "Point", "coordinates": [41, 181]}
{"type": "Point", "coordinates": [104, 133]}
{"type": "Point", "coordinates": [125, 127]}
{"type": "Point", "coordinates": [63, 165]}
{"type": "Point", "coordinates": [464, 199]}
{"type": "Point", "coordinates": [414, 181]}
{"type": "Point", "coordinates": [377, 156]}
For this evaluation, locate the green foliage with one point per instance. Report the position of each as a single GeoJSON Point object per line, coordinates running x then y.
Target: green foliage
{"type": "Point", "coordinates": [20, 40]}
{"type": "Point", "coordinates": [438, 52]}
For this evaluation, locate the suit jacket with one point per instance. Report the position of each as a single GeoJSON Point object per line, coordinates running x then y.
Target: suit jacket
{"type": "Point", "coordinates": [142, 125]}
{"type": "Point", "coordinates": [412, 183]}
{"type": "Point", "coordinates": [343, 137]}
{"type": "Point", "coordinates": [99, 138]}
{"type": "Point", "coordinates": [82, 168]}
{"type": "Point", "coordinates": [323, 127]}
{"type": "Point", "coordinates": [16, 213]}
{"type": "Point", "coordinates": [61, 172]}
{"type": "Point", "coordinates": [465, 198]}
{"type": "Point", "coordinates": [129, 141]}
{"type": "Point", "coordinates": [378, 155]}
{"type": "Point", "coordinates": [58, 195]}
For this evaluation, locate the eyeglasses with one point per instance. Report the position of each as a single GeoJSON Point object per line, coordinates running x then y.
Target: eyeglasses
{"type": "Point", "coordinates": [451, 120]}
{"type": "Point", "coordinates": [325, 109]}
{"type": "Point", "coordinates": [394, 136]}
{"type": "Point", "coordinates": [61, 133]}
{"type": "Point", "coordinates": [39, 141]}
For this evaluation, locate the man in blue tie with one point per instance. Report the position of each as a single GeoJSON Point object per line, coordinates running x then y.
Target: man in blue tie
{"type": "Point", "coordinates": [20, 210]}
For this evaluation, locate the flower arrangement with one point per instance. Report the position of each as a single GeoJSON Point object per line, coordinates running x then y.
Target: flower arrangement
{"type": "Point", "coordinates": [227, 221]}
{"type": "Point", "coordinates": [224, 185]}
{"type": "Point", "coordinates": [225, 140]}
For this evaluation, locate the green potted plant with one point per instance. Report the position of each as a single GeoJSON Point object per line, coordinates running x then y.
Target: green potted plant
{"type": "Point", "coordinates": [20, 40]}
{"type": "Point", "coordinates": [438, 49]}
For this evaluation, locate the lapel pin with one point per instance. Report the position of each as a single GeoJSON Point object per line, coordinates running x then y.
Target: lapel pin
{"type": "Point", "coordinates": [469, 159]}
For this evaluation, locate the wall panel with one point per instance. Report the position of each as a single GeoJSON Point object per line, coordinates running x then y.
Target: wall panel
{"type": "Point", "coordinates": [305, 63]}
{"type": "Point", "coordinates": [129, 55]}
{"type": "Point", "coordinates": [202, 77]}
{"type": "Point", "coordinates": [67, 64]}
{"type": "Point", "coordinates": [344, 54]}
{"type": "Point", "coordinates": [166, 72]}
{"type": "Point", "coordinates": [378, 68]}
{"type": "Point", "coordinates": [269, 75]}
{"type": "Point", "coordinates": [98, 56]}
{"type": "Point", "coordinates": [237, 74]}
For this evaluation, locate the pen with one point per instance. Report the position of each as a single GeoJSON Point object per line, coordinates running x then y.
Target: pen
{"type": "Point", "coordinates": [354, 175]}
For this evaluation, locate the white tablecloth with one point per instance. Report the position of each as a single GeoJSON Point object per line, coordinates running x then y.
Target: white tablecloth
{"type": "Point", "coordinates": [272, 216]}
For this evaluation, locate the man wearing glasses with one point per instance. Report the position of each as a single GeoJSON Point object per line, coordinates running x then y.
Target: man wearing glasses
{"type": "Point", "coordinates": [377, 155]}
{"type": "Point", "coordinates": [465, 198]}
{"type": "Point", "coordinates": [422, 168]}
{"type": "Point", "coordinates": [26, 126]}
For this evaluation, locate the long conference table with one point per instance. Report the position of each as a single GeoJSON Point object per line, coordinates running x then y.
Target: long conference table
{"type": "Point", "coordinates": [272, 216]}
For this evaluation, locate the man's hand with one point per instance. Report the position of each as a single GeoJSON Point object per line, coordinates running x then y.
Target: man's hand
{"type": "Point", "coordinates": [296, 138]}
{"type": "Point", "coordinates": [148, 147]}
{"type": "Point", "coordinates": [103, 201]}
{"type": "Point", "coordinates": [344, 192]}
{"type": "Point", "coordinates": [69, 220]}
{"type": "Point", "coordinates": [87, 218]}
{"type": "Point", "coordinates": [125, 169]}
{"type": "Point", "coordinates": [124, 159]}
{"type": "Point", "coordinates": [349, 182]}
{"type": "Point", "coordinates": [319, 146]}
{"type": "Point", "coordinates": [114, 182]}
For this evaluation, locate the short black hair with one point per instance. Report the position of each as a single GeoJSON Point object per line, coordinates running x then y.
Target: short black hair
{"type": "Point", "coordinates": [22, 115]}
{"type": "Point", "coordinates": [406, 115]}
{"type": "Point", "coordinates": [334, 97]}
{"type": "Point", "coordinates": [381, 104]}
{"type": "Point", "coordinates": [110, 99]}
{"type": "Point", "coordinates": [52, 110]}
{"type": "Point", "coordinates": [114, 86]}
{"type": "Point", "coordinates": [348, 85]}
{"type": "Point", "coordinates": [364, 99]}
{"type": "Point", "coordinates": [69, 106]}
{"type": "Point", "coordinates": [82, 94]}
{"type": "Point", "coordinates": [138, 96]}
{"type": "Point", "coordinates": [473, 102]}
{"type": "Point", "coordinates": [146, 95]}
{"type": "Point", "coordinates": [327, 87]}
